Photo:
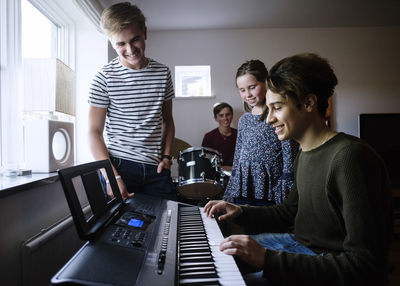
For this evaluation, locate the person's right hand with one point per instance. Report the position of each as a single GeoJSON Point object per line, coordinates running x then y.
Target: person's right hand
{"type": "Point", "coordinates": [122, 189]}
{"type": "Point", "coordinates": [246, 248]}
{"type": "Point", "coordinates": [228, 210]}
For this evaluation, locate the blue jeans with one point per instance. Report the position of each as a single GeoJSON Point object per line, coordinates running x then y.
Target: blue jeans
{"type": "Point", "coordinates": [276, 241]}
{"type": "Point", "coordinates": [143, 178]}
{"type": "Point", "coordinates": [282, 242]}
{"type": "Point", "coordinates": [252, 202]}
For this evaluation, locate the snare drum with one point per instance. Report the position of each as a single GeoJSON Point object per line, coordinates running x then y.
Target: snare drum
{"type": "Point", "coordinates": [199, 173]}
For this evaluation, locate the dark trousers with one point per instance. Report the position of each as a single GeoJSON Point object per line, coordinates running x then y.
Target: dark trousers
{"type": "Point", "coordinates": [143, 178]}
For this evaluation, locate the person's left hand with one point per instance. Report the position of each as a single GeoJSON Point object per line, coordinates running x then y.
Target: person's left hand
{"type": "Point", "coordinates": [122, 189]}
{"type": "Point", "coordinates": [246, 248]}
{"type": "Point", "coordinates": [164, 164]}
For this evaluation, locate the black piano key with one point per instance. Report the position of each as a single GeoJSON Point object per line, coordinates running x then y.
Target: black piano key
{"type": "Point", "coordinates": [192, 224]}
{"type": "Point", "coordinates": [187, 239]}
{"type": "Point", "coordinates": [196, 259]}
{"type": "Point", "coordinates": [185, 269]}
{"type": "Point", "coordinates": [198, 275]}
{"type": "Point", "coordinates": [189, 216]}
{"type": "Point", "coordinates": [196, 264]}
{"type": "Point", "coordinates": [184, 229]}
{"type": "Point", "coordinates": [193, 216]}
{"type": "Point", "coordinates": [194, 249]}
{"type": "Point", "coordinates": [191, 244]}
{"type": "Point", "coordinates": [191, 227]}
{"type": "Point", "coordinates": [202, 283]}
{"type": "Point", "coordinates": [196, 234]}
{"type": "Point", "coordinates": [188, 254]}
{"type": "Point", "coordinates": [199, 239]}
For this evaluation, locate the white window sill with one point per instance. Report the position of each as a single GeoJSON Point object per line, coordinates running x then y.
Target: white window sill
{"type": "Point", "coordinates": [12, 184]}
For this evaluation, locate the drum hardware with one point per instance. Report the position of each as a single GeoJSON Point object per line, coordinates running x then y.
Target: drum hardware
{"type": "Point", "coordinates": [225, 176]}
{"type": "Point", "coordinates": [199, 173]}
{"type": "Point", "coordinates": [215, 162]}
{"type": "Point", "coordinates": [202, 154]}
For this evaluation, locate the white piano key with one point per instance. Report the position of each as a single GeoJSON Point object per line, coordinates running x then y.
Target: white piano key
{"type": "Point", "coordinates": [225, 264]}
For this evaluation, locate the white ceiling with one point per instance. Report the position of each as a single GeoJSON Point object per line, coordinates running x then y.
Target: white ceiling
{"type": "Point", "coordinates": [242, 14]}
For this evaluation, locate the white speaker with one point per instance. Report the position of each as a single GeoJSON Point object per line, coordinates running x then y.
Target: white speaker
{"type": "Point", "coordinates": [49, 145]}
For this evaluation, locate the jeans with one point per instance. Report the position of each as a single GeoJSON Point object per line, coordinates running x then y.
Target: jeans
{"type": "Point", "coordinates": [275, 241]}
{"type": "Point", "coordinates": [252, 202]}
{"type": "Point", "coordinates": [143, 178]}
{"type": "Point", "coordinates": [282, 242]}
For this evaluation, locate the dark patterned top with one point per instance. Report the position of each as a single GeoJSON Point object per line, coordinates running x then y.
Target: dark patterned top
{"type": "Point", "coordinates": [263, 165]}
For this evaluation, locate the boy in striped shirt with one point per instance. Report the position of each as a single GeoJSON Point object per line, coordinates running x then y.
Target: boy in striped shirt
{"type": "Point", "coordinates": [131, 97]}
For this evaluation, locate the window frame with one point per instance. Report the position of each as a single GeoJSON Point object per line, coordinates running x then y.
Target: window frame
{"type": "Point", "coordinates": [203, 71]}
{"type": "Point", "coordinates": [11, 105]}
{"type": "Point", "coordinates": [66, 35]}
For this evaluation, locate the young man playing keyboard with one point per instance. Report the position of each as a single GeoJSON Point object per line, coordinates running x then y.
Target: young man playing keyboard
{"type": "Point", "coordinates": [335, 227]}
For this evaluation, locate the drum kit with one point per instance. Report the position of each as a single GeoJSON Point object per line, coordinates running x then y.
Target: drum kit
{"type": "Point", "coordinates": [200, 174]}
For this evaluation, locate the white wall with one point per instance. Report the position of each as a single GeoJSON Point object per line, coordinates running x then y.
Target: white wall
{"type": "Point", "coordinates": [366, 61]}
{"type": "Point", "coordinates": [91, 55]}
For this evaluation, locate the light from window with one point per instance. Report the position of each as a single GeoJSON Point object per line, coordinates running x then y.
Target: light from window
{"type": "Point", "coordinates": [34, 36]}
{"type": "Point", "coordinates": [192, 81]}
{"type": "Point", "coordinates": [37, 33]}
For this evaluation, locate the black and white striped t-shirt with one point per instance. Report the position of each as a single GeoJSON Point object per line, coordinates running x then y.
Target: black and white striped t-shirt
{"type": "Point", "coordinates": [134, 100]}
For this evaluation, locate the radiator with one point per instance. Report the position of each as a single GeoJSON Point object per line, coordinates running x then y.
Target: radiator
{"type": "Point", "coordinates": [45, 253]}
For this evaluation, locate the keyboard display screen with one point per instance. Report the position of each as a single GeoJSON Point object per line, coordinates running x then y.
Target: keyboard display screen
{"type": "Point", "coordinates": [136, 222]}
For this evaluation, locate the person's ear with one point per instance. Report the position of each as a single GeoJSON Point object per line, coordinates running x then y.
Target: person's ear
{"type": "Point", "coordinates": [310, 102]}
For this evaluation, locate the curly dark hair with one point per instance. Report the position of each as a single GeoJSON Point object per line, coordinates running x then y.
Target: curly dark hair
{"type": "Point", "coordinates": [303, 74]}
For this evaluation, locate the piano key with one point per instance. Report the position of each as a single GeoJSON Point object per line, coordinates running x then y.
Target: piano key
{"type": "Point", "coordinates": [213, 282]}
{"type": "Point", "coordinates": [189, 268]}
{"type": "Point", "coordinates": [198, 275]}
{"type": "Point", "coordinates": [197, 253]}
{"type": "Point", "coordinates": [210, 280]}
{"type": "Point", "coordinates": [193, 239]}
{"type": "Point", "coordinates": [193, 264]}
{"type": "Point", "coordinates": [197, 259]}
{"type": "Point", "coordinates": [193, 234]}
{"type": "Point", "coordinates": [189, 244]}
{"type": "Point", "coordinates": [197, 268]}
{"type": "Point", "coordinates": [195, 249]}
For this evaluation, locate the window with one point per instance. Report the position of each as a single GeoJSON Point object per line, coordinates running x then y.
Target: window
{"type": "Point", "coordinates": [39, 37]}
{"type": "Point", "coordinates": [33, 29]}
{"type": "Point", "coordinates": [192, 81]}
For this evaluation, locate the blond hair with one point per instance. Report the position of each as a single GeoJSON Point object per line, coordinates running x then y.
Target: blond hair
{"type": "Point", "coordinates": [119, 16]}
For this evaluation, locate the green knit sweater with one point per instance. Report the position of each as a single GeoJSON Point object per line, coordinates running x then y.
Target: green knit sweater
{"type": "Point", "coordinates": [340, 208]}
